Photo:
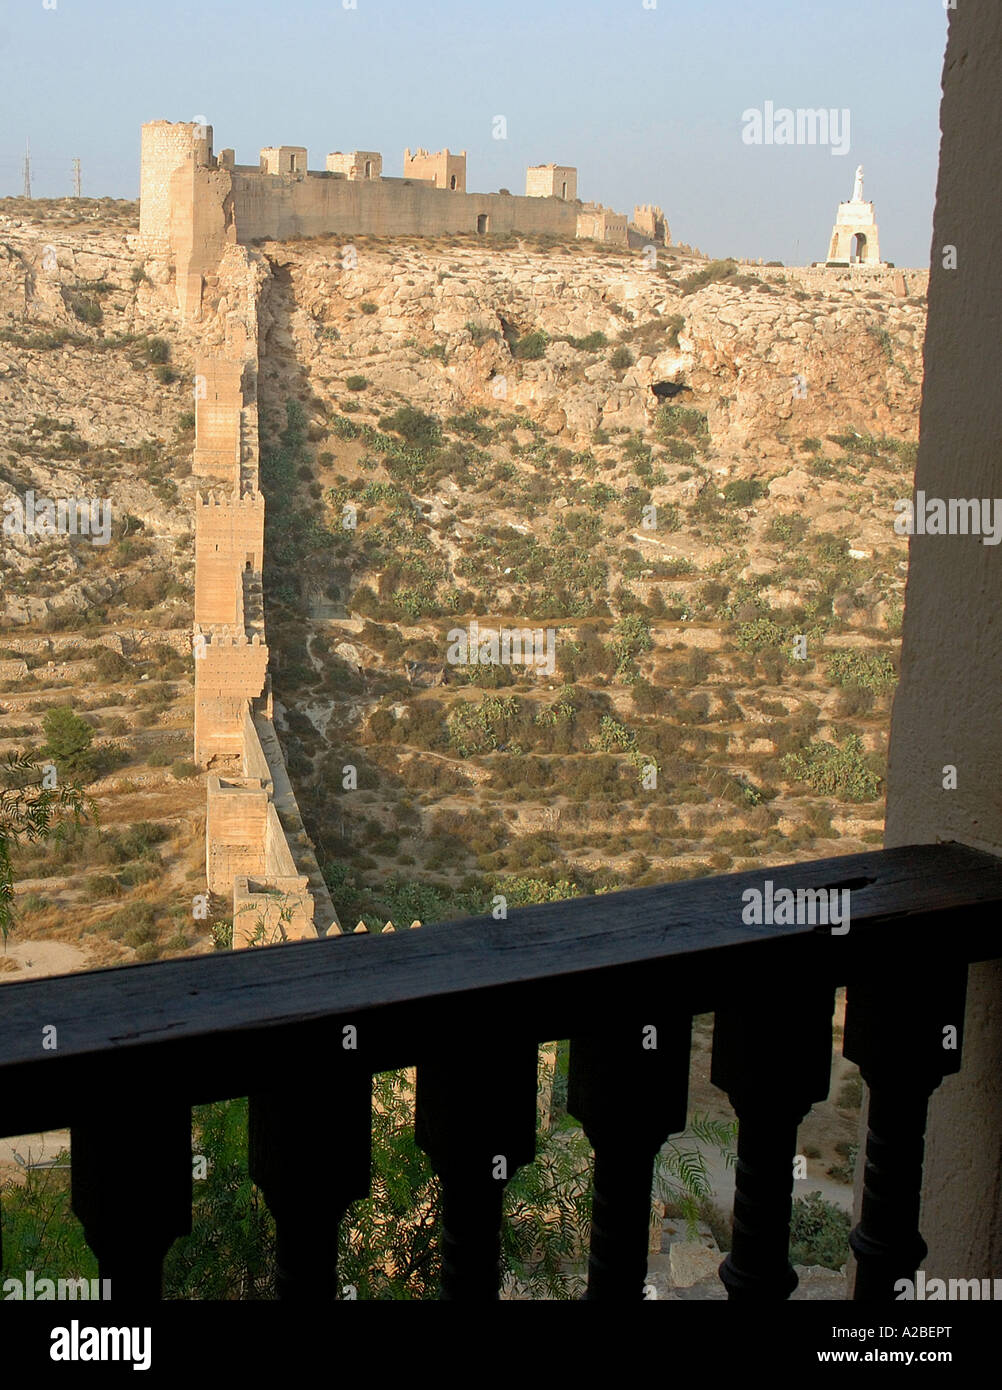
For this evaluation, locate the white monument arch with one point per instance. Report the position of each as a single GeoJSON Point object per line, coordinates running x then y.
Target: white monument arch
{"type": "Point", "coordinates": [855, 237]}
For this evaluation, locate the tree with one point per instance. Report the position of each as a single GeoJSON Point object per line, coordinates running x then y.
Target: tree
{"type": "Point", "coordinates": [67, 740]}
{"type": "Point", "coordinates": [30, 809]}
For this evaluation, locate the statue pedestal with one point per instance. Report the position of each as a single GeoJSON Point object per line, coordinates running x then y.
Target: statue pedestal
{"type": "Point", "coordinates": [855, 219]}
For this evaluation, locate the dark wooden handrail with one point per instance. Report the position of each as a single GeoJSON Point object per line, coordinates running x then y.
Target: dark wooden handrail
{"type": "Point", "coordinates": [270, 1022]}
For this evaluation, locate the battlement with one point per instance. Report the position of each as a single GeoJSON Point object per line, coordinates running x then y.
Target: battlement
{"type": "Point", "coordinates": [194, 205]}
{"type": "Point", "coordinates": [602, 224]}
{"type": "Point", "coordinates": [226, 635]}
{"type": "Point", "coordinates": [650, 221]}
{"type": "Point", "coordinates": [251, 499]}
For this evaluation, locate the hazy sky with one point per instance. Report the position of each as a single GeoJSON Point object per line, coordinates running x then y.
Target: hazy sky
{"type": "Point", "coordinates": [647, 102]}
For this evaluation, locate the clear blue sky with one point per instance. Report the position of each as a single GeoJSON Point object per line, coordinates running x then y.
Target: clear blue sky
{"type": "Point", "coordinates": [647, 103]}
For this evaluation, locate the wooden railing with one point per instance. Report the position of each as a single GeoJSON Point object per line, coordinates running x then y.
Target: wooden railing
{"type": "Point", "coordinates": [468, 1003]}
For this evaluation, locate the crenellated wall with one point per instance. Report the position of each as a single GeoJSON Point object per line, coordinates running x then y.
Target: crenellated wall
{"type": "Point", "coordinates": [195, 204]}
{"type": "Point", "coordinates": [270, 870]}
{"type": "Point", "coordinates": [229, 540]}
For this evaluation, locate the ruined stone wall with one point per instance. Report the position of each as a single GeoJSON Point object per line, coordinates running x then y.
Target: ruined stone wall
{"type": "Point", "coordinates": [442, 169]}
{"type": "Point", "coordinates": [255, 761]}
{"type": "Point", "coordinates": [266, 913]}
{"type": "Point", "coordinates": [201, 225]}
{"type": "Point", "coordinates": [602, 224]}
{"type": "Point", "coordinates": [900, 282]}
{"type": "Point", "coordinates": [283, 159]}
{"type": "Point", "coordinates": [195, 205]}
{"type": "Point", "coordinates": [650, 221]}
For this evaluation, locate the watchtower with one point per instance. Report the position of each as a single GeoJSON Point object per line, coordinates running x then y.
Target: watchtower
{"type": "Point", "coordinates": [551, 181]}
{"type": "Point", "coordinates": [443, 169]}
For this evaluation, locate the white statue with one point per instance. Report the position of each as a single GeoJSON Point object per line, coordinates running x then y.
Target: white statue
{"type": "Point", "coordinates": [857, 192]}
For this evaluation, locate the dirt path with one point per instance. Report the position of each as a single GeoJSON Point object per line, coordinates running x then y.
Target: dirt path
{"type": "Point", "coordinates": [37, 958]}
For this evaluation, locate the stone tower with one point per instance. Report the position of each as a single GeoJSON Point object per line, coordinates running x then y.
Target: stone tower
{"type": "Point", "coordinates": [855, 240]}
{"type": "Point", "coordinates": [443, 169]}
{"type": "Point", "coordinates": [166, 146]}
{"type": "Point", "coordinates": [551, 181]}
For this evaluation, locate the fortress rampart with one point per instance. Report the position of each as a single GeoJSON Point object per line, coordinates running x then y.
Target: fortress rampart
{"type": "Point", "coordinates": [195, 203]}
{"type": "Point", "coordinates": [256, 848]}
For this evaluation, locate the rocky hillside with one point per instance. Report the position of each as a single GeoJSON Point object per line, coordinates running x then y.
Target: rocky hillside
{"type": "Point", "coordinates": [677, 471]}
{"type": "Point", "coordinates": [682, 475]}
{"type": "Point", "coordinates": [95, 403]}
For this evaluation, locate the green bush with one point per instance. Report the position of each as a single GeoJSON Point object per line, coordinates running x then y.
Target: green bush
{"type": "Point", "coordinates": [84, 308]}
{"type": "Point", "coordinates": [871, 672]}
{"type": "Point", "coordinates": [183, 768]}
{"type": "Point", "coordinates": [835, 770]}
{"type": "Point", "coordinates": [479, 333]}
{"type": "Point", "coordinates": [591, 342]}
{"type": "Point", "coordinates": [676, 421]}
{"type": "Point", "coordinates": [621, 359]}
{"type": "Point", "coordinates": [102, 886]}
{"type": "Point", "coordinates": [421, 431]}
{"type": "Point", "coordinates": [758, 634]}
{"type": "Point", "coordinates": [850, 1096]}
{"type": "Point", "coordinates": [714, 273]}
{"type": "Point", "coordinates": [109, 666]}
{"type": "Point", "coordinates": [367, 307]}
{"type": "Point", "coordinates": [819, 1232]}
{"type": "Point", "coordinates": [531, 347]}
{"type": "Point", "coordinates": [787, 530]}
{"type": "Point", "coordinates": [67, 741]}
{"type": "Point", "coordinates": [356, 383]}
{"type": "Point", "coordinates": [742, 492]}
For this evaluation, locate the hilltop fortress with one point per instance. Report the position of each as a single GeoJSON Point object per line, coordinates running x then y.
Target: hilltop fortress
{"type": "Point", "coordinates": [203, 212]}
{"type": "Point", "coordinates": [194, 203]}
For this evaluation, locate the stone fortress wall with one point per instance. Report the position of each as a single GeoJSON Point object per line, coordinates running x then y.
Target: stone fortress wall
{"type": "Point", "coordinates": [201, 211]}
{"type": "Point", "coordinates": [195, 203]}
{"type": "Point", "coordinates": [256, 847]}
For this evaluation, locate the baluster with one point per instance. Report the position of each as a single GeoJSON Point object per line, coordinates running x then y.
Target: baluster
{"type": "Point", "coordinates": [895, 1032]}
{"type": "Point", "coordinates": [309, 1208]}
{"type": "Point", "coordinates": [476, 1121]}
{"type": "Point", "coordinates": [131, 1189]}
{"type": "Point", "coordinates": [772, 1056]}
{"type": "Point", "coordinates": [629, 1088]}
